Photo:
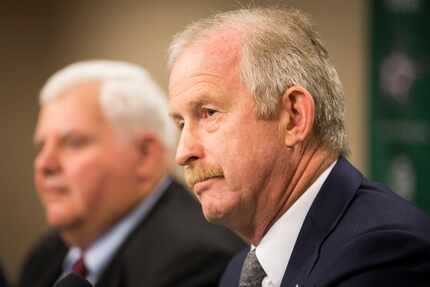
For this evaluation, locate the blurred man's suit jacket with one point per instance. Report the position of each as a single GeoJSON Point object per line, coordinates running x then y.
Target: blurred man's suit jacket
{"type": "Point", "coordinates": [172, 246]}
{"type": "Point", "coordinates": [3, 281]}
{"type": "Point", "coordinates": [356, 234]}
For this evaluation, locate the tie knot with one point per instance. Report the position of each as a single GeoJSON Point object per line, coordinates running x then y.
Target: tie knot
{"type": "Point", "coordinates": [79, 267]}
{"type": "Point", "coordinates": [252, 273]}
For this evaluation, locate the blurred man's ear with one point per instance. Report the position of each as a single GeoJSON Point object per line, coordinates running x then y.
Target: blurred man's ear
{"type": "Point", "coordinates": [297, 115]}
{"type": "Point", "coordinates": [151, 155]}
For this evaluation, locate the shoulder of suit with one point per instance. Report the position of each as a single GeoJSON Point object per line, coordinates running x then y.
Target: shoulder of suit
{"type": "Point", "coordinates": [49, 243]}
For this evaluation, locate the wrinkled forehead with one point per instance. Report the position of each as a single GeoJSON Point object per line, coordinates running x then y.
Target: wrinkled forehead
{"type": "Point", "coordinates": [223, 43]}
{"type": "Point", "coordinates": [216, 53]}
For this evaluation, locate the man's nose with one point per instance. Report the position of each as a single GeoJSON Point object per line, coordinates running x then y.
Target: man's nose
{"type": "Point", "coordinates": [47, 161]}
{"type": "Point", "coordinates": [189, 148]}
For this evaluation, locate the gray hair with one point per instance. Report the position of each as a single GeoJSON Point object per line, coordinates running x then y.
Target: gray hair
{"type": "Point", "coordinates": [129, 98]}
{"type": "Point", "coordinates": [280, 49]}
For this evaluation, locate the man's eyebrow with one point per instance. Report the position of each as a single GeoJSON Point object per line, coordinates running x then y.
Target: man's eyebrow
{"type": "Point", "coordinates": [197, 102]}
{"type": "Point", "coordinates": [175, 116]}
{"type": "Point", "coordinates": [205, 98]}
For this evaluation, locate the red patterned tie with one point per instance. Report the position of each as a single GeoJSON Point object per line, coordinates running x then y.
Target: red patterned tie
{"type": "Point", "coordinates": [80, 268]}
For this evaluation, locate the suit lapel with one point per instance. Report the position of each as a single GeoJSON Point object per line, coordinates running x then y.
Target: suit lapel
{"type": "Point", "coordinates": [111, 276]}
{"type": "Point", "coordinates": [54, 271]}
{"type": "Point", "coordinates": [231, 276]}
{"type": "Point", "coordinates": [52, 275]}
{"type": "Point", "coordinates": [322, 218]}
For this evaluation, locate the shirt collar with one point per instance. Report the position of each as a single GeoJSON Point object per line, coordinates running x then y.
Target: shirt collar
{"type": "Point", "coordinates": [274, 250]}
{"type": "Point", "coordinates": [101, 252]}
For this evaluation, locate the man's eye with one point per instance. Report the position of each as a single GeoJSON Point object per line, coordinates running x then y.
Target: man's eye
{"type": "Point", "coordinates": [207, 112]}
{"type": "Point", "coordinates": [180, 125]}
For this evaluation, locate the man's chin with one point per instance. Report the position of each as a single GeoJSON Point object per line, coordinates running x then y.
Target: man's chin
{"type": "Point", "coordinates": [213, 214]}
{"type": "Point", "coordinates": [212, 219]}
{"type": "Point", "coordinates": [60, 222]}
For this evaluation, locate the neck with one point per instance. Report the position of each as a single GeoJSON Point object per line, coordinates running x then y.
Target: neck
{"type": "Point", "coordinates": [79, 237]}
{"type": "Point", "coordinates": [309, 165]}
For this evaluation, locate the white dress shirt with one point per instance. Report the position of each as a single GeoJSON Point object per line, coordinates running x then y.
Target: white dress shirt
{"type": "Point", "coordinates": [101, 252]}
{"type": "Point", "coordinates": [274, 250]}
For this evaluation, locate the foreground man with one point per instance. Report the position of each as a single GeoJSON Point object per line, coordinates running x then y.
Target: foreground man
{"type": "Point", "coordinates": [101, 172]}
{"type": "Point", "coordinates": [260, 109]}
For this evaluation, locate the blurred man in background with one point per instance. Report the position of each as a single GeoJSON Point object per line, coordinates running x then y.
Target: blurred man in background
{"type": "Point", "coordinates": [263, 144]}
{"type": "Point", "coordinates": [104, 151]}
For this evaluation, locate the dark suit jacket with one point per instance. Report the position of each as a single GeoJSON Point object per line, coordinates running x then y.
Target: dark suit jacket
{"type": "Point", "coordinates": [356, 234]}
{"type": "Point", "coordinates": [173, 246]}
{"type": "Point", "coordinates": [3, 281]}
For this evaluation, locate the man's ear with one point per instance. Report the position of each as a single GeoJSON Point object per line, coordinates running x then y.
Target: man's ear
{"type": "Point", "coordinates": [149, 151]}
{"type": "Point", "coordinates": [297, 115]}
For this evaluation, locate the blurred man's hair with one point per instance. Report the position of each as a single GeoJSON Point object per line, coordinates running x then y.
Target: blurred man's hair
{"type": "Point", "coordinates": [129, 98]}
